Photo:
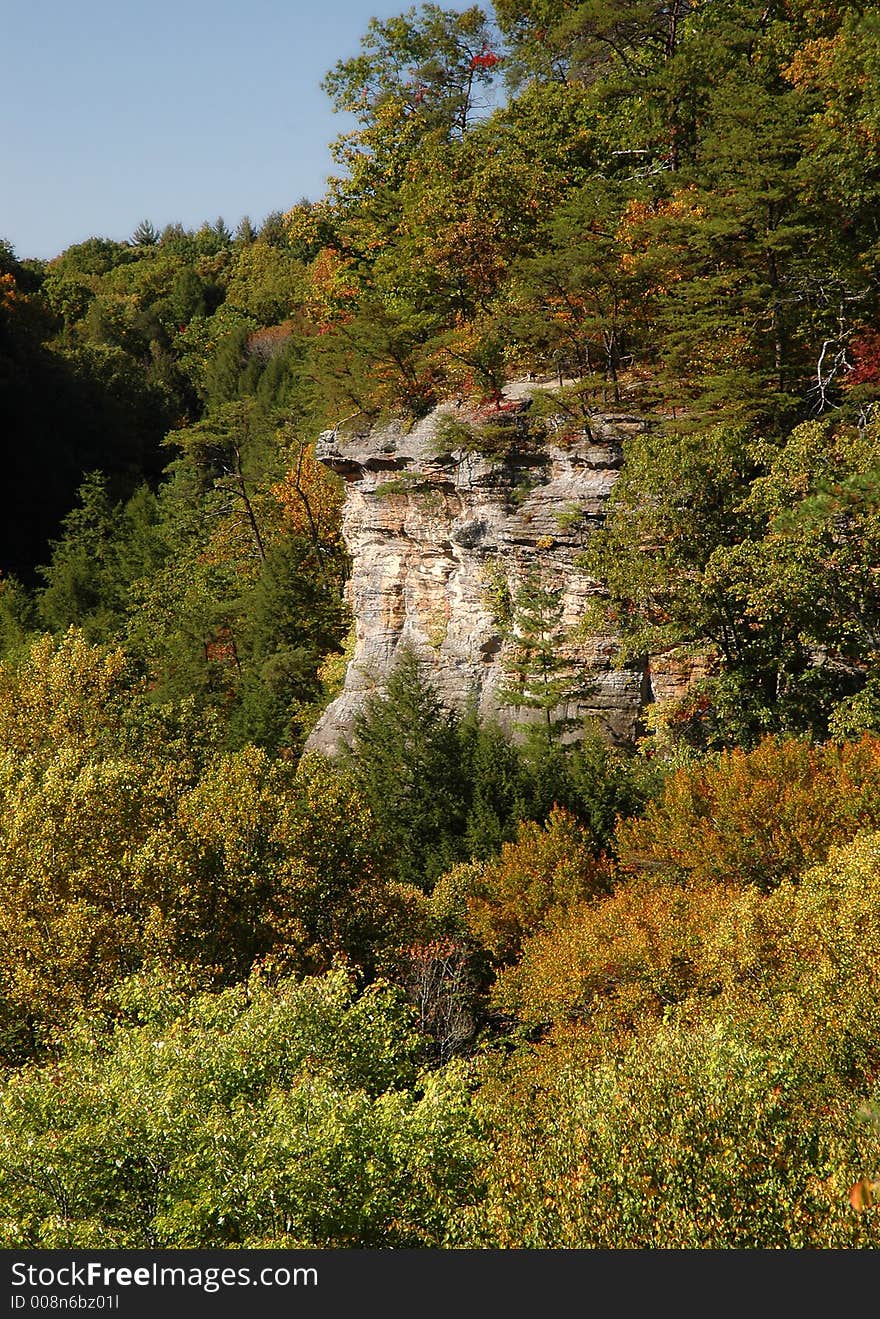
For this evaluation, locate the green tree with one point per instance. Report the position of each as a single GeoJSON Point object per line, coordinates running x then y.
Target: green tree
{"type": "Point", "coordinates": [429, 63]}
{"type": "Point", "coordinates": [145, 235]}
{"type": "Point", "coordinates": [246, 603]}
{"type": "Point", "coordinates": [274, 1115]}
{"type": "Point", "coordinates": [130, 840]}
{"type": "Point", "coordinates": [291, 620]}
{"type": "Point", "coordinates": [760, 557]}
{"type": "Point", "coordinates": [406, 755]}
{"type": "Point", "coordinates": [18, 620]}
{"type": "Point", "coordinates": [719, 1133]}
{"type": "Point", "coordinates": [677, 500]}
{"type": "Point", "coordinates": [540, 677]}
{"type": "Point", "coordinates": [105, 547]}
{"type": "Point", "coordinates": [583, 302]}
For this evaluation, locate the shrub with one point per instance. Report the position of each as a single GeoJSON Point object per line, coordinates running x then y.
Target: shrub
{"type": "Point", "coordinates": [708, 1135]}
{"type": "Point", "coordinates": [712, 1078]}
{"type": "Point", "coordinates": [619, 960]}
{"type": "Point", "coordinates": [126, 840]}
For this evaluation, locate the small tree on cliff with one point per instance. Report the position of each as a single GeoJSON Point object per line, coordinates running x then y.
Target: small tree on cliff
{"type": "Point", "coordinates": [540, 676]}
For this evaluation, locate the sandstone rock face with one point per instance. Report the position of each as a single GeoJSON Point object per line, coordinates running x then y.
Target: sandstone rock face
{"type": "Point", "coordinates": [434, 536]}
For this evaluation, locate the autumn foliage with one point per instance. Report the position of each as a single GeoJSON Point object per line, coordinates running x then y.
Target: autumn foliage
{"type": "Point", "coordinates": [756, 817]}
{"type": "Point", "coordinates": [865, 369]}
{"type": "Point", "coordinates": [310, 499]}
{"type": "Point", "coordinates": [460, 987]}
{"type": "Point", "coordinates": [549, 866]}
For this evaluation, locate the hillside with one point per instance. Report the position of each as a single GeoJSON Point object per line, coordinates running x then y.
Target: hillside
{"type": "Point", "coordinates": [532, 473]}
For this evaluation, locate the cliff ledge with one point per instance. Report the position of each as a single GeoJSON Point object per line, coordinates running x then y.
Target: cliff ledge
{"type": "Point", "coordinates": [434, 535]}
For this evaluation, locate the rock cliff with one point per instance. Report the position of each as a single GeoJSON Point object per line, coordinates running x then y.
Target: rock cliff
{"type": "Point", "coordinates": [435, 536]}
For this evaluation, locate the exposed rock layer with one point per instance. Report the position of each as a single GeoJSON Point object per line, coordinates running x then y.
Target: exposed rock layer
{"type": "Point", "coordinates": [434, 535]}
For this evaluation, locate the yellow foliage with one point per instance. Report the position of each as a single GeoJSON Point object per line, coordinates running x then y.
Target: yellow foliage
{"type": "Point", "coordinates": [624, 957]}
{"type": "Point", "coordinates": [120, 847]}
{"type": "Point", "coordinates": [712, 1076]}
{"type": "Point", "coordinates": [331, 287]}
{"type": "Point", "coordinates": [811, 946]}
{"type": "Point", "coordinates": [548, 867]}
{"type": "Point", "coordinates": [311, 499]}
{"type": "Point", "coordinates": [814, 62]}
{"type": "Point", "coordinates": [63, 690]}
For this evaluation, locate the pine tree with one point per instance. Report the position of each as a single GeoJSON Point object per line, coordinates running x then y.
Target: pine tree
{"type": "Point", "coordinates": [407, 755]}
{"type": "Point", "coordinates": [146, 235]}
{"type": "Point", "coordinates": [540, 676]}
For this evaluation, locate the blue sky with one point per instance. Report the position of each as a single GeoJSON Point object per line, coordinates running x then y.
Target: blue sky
{"type": "Point", "coordinates": [111, 113]}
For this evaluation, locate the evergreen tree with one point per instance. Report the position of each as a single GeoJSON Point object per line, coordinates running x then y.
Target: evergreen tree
{"type": "Point", "coordinates": [18, 620]}
{"type": "Point", "coordinates": [145, 235]}
{"type": "Point", "coordinates": [582, 302]}
{"type": "Point", "coordinates": [500, 792]}
{"type": "Point", "coordinates": [245, 233]}
{"type": "Point", "coordinates": [291, 620]}
{"type": "Point", "coordinates": [541, 678]}
{"type": "Point", "coordinates": [407, 757]}
{"type": "Point", "coordinates": [106, 546]}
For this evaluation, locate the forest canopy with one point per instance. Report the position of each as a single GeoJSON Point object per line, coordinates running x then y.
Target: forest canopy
{"type": "Point", "coordinates": [456, 987]}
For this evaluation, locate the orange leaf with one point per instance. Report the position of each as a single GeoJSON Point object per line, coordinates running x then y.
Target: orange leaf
{"type": "Point", "coordinates": [864, 1195]}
